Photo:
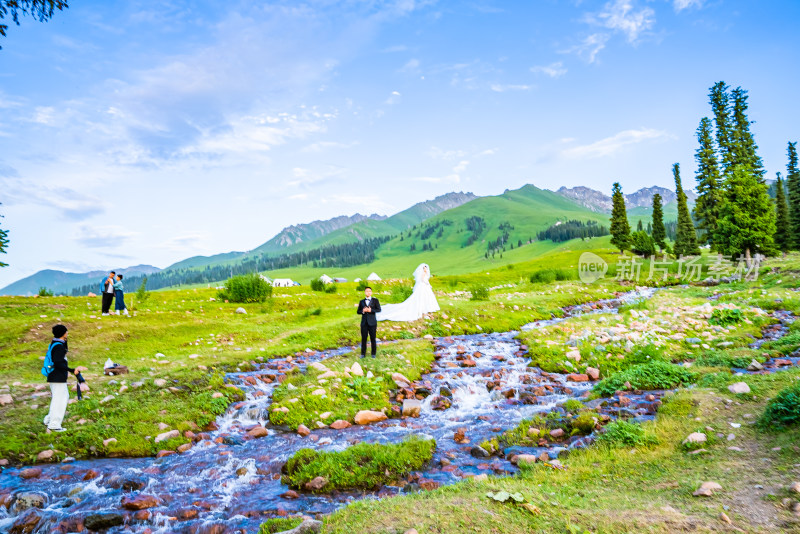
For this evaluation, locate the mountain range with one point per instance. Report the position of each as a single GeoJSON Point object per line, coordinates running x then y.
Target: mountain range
{"type": "Point", "coordinates": [508, 220]}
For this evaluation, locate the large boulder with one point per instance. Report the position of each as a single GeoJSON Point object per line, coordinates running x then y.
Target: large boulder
{"type": "Point", "coordinates": [167, 435]}
{"type": "Point", "coordinates": [26, 522]}
{"type": "Point", "coordinates": [356, 370]}
{"type": "Point", "coordinates": [316, 484]}
{"type": "Point", "coordinates": [365, 417]}
{"type": "Point", "coordinates": [257, 431]}
{"type": "Point", "coordinates": [29, 499]}
{"type": "Point", "coordinates": [102, 521]}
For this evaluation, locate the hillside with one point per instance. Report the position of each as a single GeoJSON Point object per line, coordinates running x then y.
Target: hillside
{"type": "Point", "coordinates": [63, 282]}
{"type": "Point", "coordinates": [600, 202]}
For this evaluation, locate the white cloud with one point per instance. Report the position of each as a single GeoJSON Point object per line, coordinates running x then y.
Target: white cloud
{"type": "Point", "coordinates": [106, 237]}
{"type": "Point", "coordinates": [590, 46]}
{"type": "Point", "coordinates": [553, 70]}
{"type": "Point", "coordinates": [299, 196]}
{"type": "Point", "coordinates": [412, 66]}
{"type": "Point", "coordinates": [449, 179]}
{"type": "Point", "coordinates": [461, 167]}
{"type": "Point", "coordinates": [446, 155]}
{"type": "Point", "coordinates": [487, 152]}
{"type": "Point", "coordinates": [621, 16]}
{"type": "Point", "coordinates": [304, 177]}
{"type": "Point", "coordinates": [680, 5]}
{"type": "Point", "coordinates": [613, 144]}
{"type": "Point", "coordinates": [64, 202]}
{"type": "Point", "coordinates": [394, 98]}
{"type": "Point", "coordinates": [327, 145]}
{"type": "Point", "coordinates": [502, 88]}
{"type": "Point", "coordinates": [192, 241]}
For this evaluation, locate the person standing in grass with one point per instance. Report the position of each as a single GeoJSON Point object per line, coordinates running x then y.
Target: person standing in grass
{"type": "Point", "coordinates": [367, 308]}
{"type": "Point", "coordinates": [119, 296]}
{"type": "Point", "coordinates": [57, 373]}
{"type": "Point", "coordinates": [108, 293]}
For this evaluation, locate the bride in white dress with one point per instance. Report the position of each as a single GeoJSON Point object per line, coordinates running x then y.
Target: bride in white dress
{"type": "Point", "coordinates": [421, 301]}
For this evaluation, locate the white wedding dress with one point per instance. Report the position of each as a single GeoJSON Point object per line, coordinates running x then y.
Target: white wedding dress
{"type": "Point", "coordinates": [421, 301]}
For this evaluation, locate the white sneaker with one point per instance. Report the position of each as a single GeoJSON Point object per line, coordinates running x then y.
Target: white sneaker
{"type": "Point", "coordinates": [105, 315]}
{"type": "Point", "coordinates": [57, 429]}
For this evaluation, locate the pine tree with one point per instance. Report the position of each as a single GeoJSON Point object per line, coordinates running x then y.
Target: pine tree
{"type": "Point", "coordinates": [747, 216]}
{"type": "Point", "coordinates": [709, 185]}
{"type": "Point", "coordinates": [743, 145]}
{"type": "Point", "coordinates": [783, 226]}
{"type": "Point", "coordinates": [640, 226]}
{"type": "Point", "coordinates": [659, 232]}
{"type": "Point", "coordinates": [620, 229]}
{"type": "Point", "coordinates": [720, 106]}
{"type": "Point", "coordinates": [686, 238]}
{"type": "Point", "coordinates": [793, 184]}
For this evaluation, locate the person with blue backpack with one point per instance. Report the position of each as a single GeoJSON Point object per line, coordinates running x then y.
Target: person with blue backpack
{"type": "Point", "coordinates": [57, 370]}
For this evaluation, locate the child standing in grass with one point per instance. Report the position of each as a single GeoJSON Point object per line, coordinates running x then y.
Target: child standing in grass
{"type": "Point", "coordinates": [119, 296]}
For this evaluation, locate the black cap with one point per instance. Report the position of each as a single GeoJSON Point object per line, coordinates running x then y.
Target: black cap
{"type": "Point", "coordinates": [59, 330]}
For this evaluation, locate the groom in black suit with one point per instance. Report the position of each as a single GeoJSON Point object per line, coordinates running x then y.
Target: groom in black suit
{"type": "Point", "coordinates": [367, 308]}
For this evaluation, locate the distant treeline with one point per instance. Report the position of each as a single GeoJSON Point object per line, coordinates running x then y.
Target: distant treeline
{"type": "Point", "coordinates": [560, 232]}
{"type": "Point", "coordinates": [329, 256]}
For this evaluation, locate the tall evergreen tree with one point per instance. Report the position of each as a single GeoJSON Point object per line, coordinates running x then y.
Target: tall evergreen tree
{"type": "Point", "coordinates": [747, 216]}
{"type": "Point", "coordinates": [743, 145]}
{"type": "Point", "coordinates": [719, 98]}
{"type": "Point", "coordinates": [659, 232]}
{"type": "Point", "coordinates": [793, 184]}
{"type": "Point", "coordinates": [783, 226]}
{"type": "Point", "coordinates": [686, 238]}
{"type": "Point", "coordinates": [620, 229]}
{"type": "Point", "coordinates": [640, 226]}
{"type": "Point", "coordinates": [709, 185]}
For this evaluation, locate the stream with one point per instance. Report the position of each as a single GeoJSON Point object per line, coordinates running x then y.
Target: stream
{"type": "Point", "coordinates": [227, 483]}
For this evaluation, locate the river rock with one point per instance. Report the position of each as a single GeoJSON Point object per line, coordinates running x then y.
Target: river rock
{"type": "Point", "coordinates": [695, 437]}
{"type": "Point", "coordinates": [574, 355]}
{"type": "Point", "coordinates": [557, 433]}
{"type": "Point", "coordinates": [257, 431]}
{"type": "Point", "coordinates": [524, 459]}
{"type": "Point", "coordinates": [739, 387]}
{"type": "Point", "coordinates": [479, 452]}
{"type": "Point", "coordinates": [460, 436]}
{"type": "Point", "coordinates": [139, 502]}
{"type": "Point", "coordinates": [399, 377]}
{"type": "Point", "coordinates": [411, 407]}
{"type": "Point", "coordinates": [26, 523]}
{"type": "Point", "coordinates": [319, 367]}
{"type": "Point", "coordinates": [107, 442]}
{"type": "Point", "coordinates": [6, 399]}
{"type": "Point", "coordinates": [103, 521]}
{"type": "Point", "coordinates": [593, 373]}
{"type": "Point", "coordinates": [316, 484]}
{"type": "Point", "coordinates": [31, 472]}
{"type": "Point", "coordinates": [303, 430]}
{"type": "Point", "coordinates": [167, 435]}
{"type": "Point", "coordinates": [127, 482]}
{"type": "Point", "coordinates": [707, 489]}
{"type": "Point", "coordinates": [46, 456]}
{"type": "Point", "coordinates": [365, 417]}
{"type": "Point", "coordinates": [160, 382]}
{"type": "Point", "coordinates": [184, 448]}
{"type": "Point", "coordinates": [28, 499]}
{"type": "Point", "coordinates": [340, 424]}
{"type": "Point", "coordinates": [356, 369]}
{"type": "Point", "coordinates": [577, 377]}
{"type": "Point", "coordinates": [755, 366]}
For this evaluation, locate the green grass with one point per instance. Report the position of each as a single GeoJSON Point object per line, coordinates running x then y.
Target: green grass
{"type": "Point", "coordinates": [345, 395]}
{"type": "Point", "coordinates": [362, 466]}
{"type": "Point", "coordinates": [653, 375]}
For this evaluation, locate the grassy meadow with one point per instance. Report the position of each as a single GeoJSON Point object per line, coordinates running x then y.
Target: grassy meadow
{"type": "Point", "coordinates": [180, 343]}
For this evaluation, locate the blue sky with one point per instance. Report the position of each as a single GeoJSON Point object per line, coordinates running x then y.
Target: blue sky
{"type": "Point", "coordinates": [135, 131]}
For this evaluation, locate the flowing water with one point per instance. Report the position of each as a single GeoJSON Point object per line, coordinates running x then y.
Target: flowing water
{"type": "Point", "coordinates": [228, 483]}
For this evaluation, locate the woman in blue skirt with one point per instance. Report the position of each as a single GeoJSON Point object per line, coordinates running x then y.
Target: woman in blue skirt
{"type": "Point", "coordinates": [119, 297]}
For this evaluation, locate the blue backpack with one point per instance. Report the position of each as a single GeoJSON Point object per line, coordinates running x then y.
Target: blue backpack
{"type": "Point", "coordinates": [103, 285]}
{"type": "Point", "coordinates": [48, 366]}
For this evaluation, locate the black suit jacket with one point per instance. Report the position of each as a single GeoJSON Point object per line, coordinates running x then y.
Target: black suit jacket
{"type": "Point", "coordinates": [369, 318]}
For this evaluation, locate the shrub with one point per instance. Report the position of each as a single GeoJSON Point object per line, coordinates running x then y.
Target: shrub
{"type": "Point", "coordinates": [544, 276]}
{"type": "Point", "coordinates": [330, 288]}
{"type": "Point", "coordinates": [142, 294]}
{"type": "Point", "coordinates": [246, 288]}
{"type": "Point", "coordinates": [784, 409]}
{"type": "Point", "coordinates": [400, 293]}
{"type": "Point", "coordinates": [479, 292]}
{"type": "Point", "coordinates": [317, 285]}
{"type": "Point", "coordinates": [574, 406]}
{"type": "Point", "coordinates": [312, 311]}
{"type": "Point", "coordinates": [625, 434]}
{"type": "Point", "coordinates": [365, 465]}
{"type": "Point", "coordinates": [44, 292]}
{"type": "Point", "coordinates": [362, 285]}
{"type": "Point", "coordinates": [714, 358]}
{"type": "Point", "coordinates": [651, 375]}
{"type": "Point", "coordinates": [725, 316]}
{"type": "Point", "coordinates": [642, 244]}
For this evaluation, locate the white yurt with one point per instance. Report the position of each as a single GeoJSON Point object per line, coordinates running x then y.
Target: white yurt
{"type": "Point", "coordinates": [283, 282]}
{"type": "Point", "coordinates": [326, 279]}
{"type": "Point", "coordinates": [373, 277]}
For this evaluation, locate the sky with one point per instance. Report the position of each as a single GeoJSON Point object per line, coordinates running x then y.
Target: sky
{"type": "Point", "coordinates": [145, 132]}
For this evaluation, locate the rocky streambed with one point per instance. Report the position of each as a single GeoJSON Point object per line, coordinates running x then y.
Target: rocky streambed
{"type": "Point", "coordinates": [229, 479]}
